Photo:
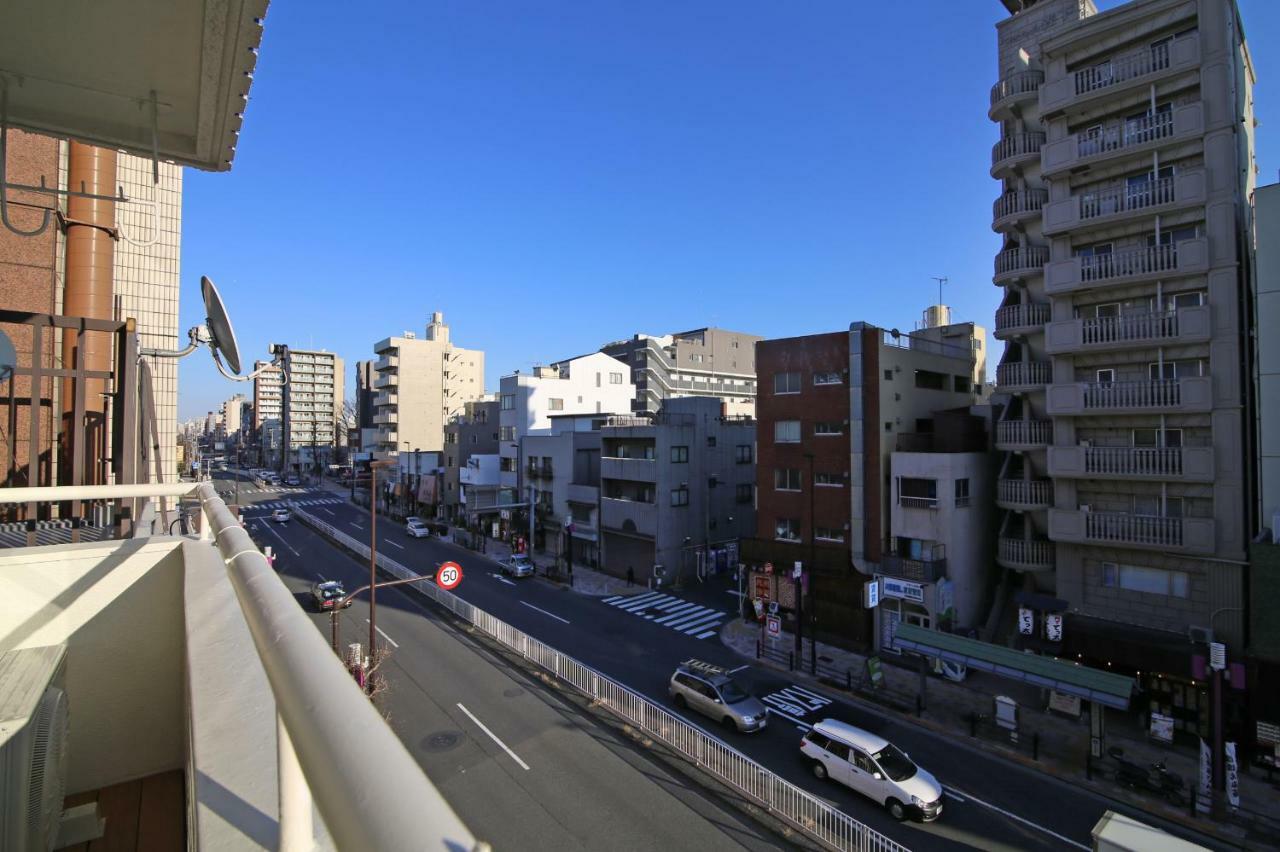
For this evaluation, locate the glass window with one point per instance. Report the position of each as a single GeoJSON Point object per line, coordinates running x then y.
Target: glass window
{"type": "Point", "coordinates": [894, 763]}
{"type": "Point", "coordinates": [787, 529]}
{"type": "Point", "coordinates": [786, 432]}
{"type": "Point", "coordinates": [508, 401]}
{"type": "Point", "coordinates": [838, 749]}
{"type": "Point", "coordinates": [786, 383]}
{"type": "Point", "coordinates": [743, 454]}
{"type": "Point", "coordinates": [830, 378]}
{"type": "Point", "coordinates": [786, 479]}
{"type": "Point", "coordinates": [828, 534]}
{"type": "Point", "coordinates": [554, 404]}
{"type": "Point", "coordinates": [961, 384]}
{"type": "Point", "coordinates": [615, 378]}
{"type": "Point", "coordinates": [679, 455]}
{"type": "Point", "coordinates": [888, 375]}
{"type": "Point", "coordinates": [862, 761]}
{"type": "Point", "coordinates": [962, 492]}
{"type": "Point", "coordinates": [829, 428]}
{"type": "Point", "coordinates": [711, 440]}
{"type": "Point", "coordinates": [1138, 578]}
{"type": "Point", "coordinates": [680, 496]}
{"type": "Point", "coordinates": [506, 433]}
{"type": "Point", "coordinates": [834, 480]}
{"type": "Point", "coordinates": [743, 492]}
{"type": "Point", "coordinates": [929, 380]}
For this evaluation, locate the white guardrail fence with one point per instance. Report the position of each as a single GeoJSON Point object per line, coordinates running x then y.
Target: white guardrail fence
{"type": "Point", "coordinates": [780, 797]}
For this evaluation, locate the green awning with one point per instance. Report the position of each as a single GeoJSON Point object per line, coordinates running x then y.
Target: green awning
{"type": "Point", "coordinates": [1112, 690]}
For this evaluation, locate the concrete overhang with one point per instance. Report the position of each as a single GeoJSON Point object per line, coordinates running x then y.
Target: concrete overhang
{"type": "Point", "coordinates": [86, 70]}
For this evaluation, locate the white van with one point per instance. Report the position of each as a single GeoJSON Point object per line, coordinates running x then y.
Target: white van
{"type": "Point", "coordinates": [874, 767]}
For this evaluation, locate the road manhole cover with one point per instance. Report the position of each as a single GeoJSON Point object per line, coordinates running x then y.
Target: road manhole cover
{"type": "Point", "coordinates": [513, 692]}
{"type": "Point", "coordinates": [442, 741]}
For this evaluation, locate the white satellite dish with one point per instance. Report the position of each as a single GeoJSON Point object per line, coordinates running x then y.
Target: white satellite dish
{"type": "Point", "coordinates": [218, 334]}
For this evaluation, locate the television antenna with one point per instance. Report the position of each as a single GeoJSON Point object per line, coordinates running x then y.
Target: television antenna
{"type": "Point", "coordinates": [941, 280]}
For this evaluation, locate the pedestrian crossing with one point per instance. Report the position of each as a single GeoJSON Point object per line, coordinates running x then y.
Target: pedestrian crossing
{"type": "Point", "coordinates": [48, 532]}
{"type": "Point", "coordinates": [671, 612]}
{"type": "Point", "coordinates": [289, 504]}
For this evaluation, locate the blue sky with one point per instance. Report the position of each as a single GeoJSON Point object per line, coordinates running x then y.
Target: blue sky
{"type": "Point", "coordinates": [556, 175]}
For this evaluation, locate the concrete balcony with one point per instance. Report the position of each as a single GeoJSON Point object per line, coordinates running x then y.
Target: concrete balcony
{"type": "Point", "coordinates": [1128, 140]}
{"type": "Point", "coordinates": [636, 470]}
{"type": "Point", "coordinates": [1124, 203]}
{"type": "Point", "coordinates": [1015, 151]}
{"type": "Point", "coordinates": [1013, 92]}
{"type": "Point", "coordinates": [1129, 266]}
{"type": "Point", "coordinates": [1021, 320]}
{"type": "Point", "coordinates": [1018, 554]}
{"type": "Point", "coordinates": [1193, 394]}
{"type": "Point", "coordinates": [1023, 435]}
{"type": "Point", "coordinates": [1014, 208]}
{"type": "Point", "coordinates": [587, 495]}
{"type": "Point", "coordinates": [628, 516]}
{"type": "Point", "coordinates": [386, 381]}
{"type": "Point", "coordinates": [1184, 326]}
{"type": "Point", "coordinates": [386, 398]}
{"type": "Point", "coordinates": [1122, 529]}
{"type": "Point", "coordinates": [384, 418]}
{"type": "Point", "coordinates": [1023, 376]}
{"type": "Point", "coordinates": [1024, 495]}
{"type": "Point", "coordinates": [1121, 75]}
{"type": "Point", "coordinates": [1019, 263]}
{"type": "Point", "coordinates": [388, 436]}
{"type": "Point", "coordinates": [919, 570]}
{"type": "Point", "coordinates": [387, 362]}
{"type": "Point", "coordinates": [1174, 464]}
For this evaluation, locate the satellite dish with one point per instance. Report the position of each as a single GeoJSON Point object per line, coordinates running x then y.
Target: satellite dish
{"type": "Point", "coordinates": [219, 325]}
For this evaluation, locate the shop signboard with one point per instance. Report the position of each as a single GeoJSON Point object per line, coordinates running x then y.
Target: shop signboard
{"type": "Point", "coordinates": [762, 586]}
{"type": "Point", "coordinates": [871, 594]}
{"type": "Point", "coordinates": [1026, 621]}
{"type": "Point", "coordinates": [1233, 776]}
{"type": "Point", "coordinates": [895, 588]}
{"type": "Point", "coordinates": [1161, 728]}
{"type": "Point", "coordinates": [774, 626]}
{"type": "Point", "coordinates": [1053, 627]}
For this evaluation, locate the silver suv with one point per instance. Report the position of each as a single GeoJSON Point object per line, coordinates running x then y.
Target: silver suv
{"type": "Point", "coordinates": [710, 690]}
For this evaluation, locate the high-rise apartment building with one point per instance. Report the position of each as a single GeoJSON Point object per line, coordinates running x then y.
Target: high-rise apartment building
{"type": "Point", "coordinates": [1126, 163]}
{"type": "Point", "coordinates": [422, 383]}
{"type": "Point", "coordinates": [706, 362]}
{"type": "Point", "coordinates": [268, 412]}
{"type": "Point", "coordinates": [313, 385]}
{"type": "Point", "coordinates": [231, 420]}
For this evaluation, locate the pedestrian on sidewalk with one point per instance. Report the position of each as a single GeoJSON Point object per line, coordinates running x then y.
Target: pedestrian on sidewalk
{"type": "Point", "coordinates": [631, 576]}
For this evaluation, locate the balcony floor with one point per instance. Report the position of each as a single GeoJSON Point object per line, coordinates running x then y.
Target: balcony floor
{"type": "Point", "coordinates": [144, 815]}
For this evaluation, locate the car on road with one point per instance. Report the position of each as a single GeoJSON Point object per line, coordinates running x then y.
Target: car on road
{"type": "Point", "coordinates": [417, 528]}
{"type": "Point", "coordinates": [874, 767]}
{"type": "Point", "coordinates": [712, 691]}
{"type": "Point", "coordinates": [518, 565]}
{"type": "Point", "coordinates": [292, 481]}
{"type": "Point", "coordinates": [327, 594]}
{"type": "Point", "coordinates": [281, 516]}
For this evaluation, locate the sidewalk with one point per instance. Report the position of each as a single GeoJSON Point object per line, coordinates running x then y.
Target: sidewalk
{"type": "Point", "coordinates": [1061, 742]}
{"type": "Point", "coordinates": [585, 581]}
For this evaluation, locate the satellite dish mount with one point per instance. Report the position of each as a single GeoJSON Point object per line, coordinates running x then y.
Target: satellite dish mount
{"type": "Point", "coordinates": [216, 333]}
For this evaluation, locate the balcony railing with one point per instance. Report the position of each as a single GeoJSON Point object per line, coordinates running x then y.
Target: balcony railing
{"type": "Point", "coordinates": [1024, 554]}
{"type": "Point", "coordinates": [1021, 316]}
{"type": "Point", "coordinates": [1123, 264]}
{"type": "Point", "coordinates": [918, 502]}
{"type": "Point", "coordinates": [1151, 393]}
{"type": "Point", "coordinates": [1135, 131]}
{"type": "Point", "coordinates": [1024, 374]}
{"type": "Point", "coordinates": [1021, 83]}
{"type": "Point", "coordinates": [1123, 528]}
{"type": "Point", "coordinates": [1123, 199]}
{"type": "Point", "coordinates": [1024, 432]}
{"type": "Point", "coordinates": [1160, 325]}
{"type": "Point", "coordinates": [1122, 68]}
{"type": "Point", "coordinates": [920, 570]}
{"type": "Point", "coordinates": [1016, 145]}
{"type": "Point", "coordinates": [1025, 492]}
{"type": "Point", "coordinates": [1018, 202]}
{"type": "Point", "coordinates": [1133, 461]}
{"type": "Point", "coordinates": [1026, 260]}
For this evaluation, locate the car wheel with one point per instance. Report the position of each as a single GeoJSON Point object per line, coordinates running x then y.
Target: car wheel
{"type": "Point", "coordinates": [819, 771]}
{"type": "Point", "coordinates": [896, 809]}
{"type": "Point", "coordinates": [680, 702]}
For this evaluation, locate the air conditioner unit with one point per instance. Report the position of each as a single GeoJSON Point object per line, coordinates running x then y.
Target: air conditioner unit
{"type": "Point", "coordinates": [33, 746]}
{"type": "Point", "coordinates": [1200, 635]}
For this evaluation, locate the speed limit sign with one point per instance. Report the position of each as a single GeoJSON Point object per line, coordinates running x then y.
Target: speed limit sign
{"type": "Point", "coordinates": [449, 575]}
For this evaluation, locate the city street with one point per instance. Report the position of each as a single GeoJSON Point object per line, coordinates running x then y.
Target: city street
{"type": "Point", "coordinates": [990, 803]}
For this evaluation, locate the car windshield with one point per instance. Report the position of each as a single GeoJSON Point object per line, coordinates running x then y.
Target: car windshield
{"type": "Point", "coordinates": [731, 693]}
{"type": "Point", "coordinates": [894, 763]}
{"type": "Point", "coordinates": [331, 591]}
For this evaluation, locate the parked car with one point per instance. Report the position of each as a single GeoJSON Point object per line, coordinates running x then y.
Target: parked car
{"type": "Point", "coordinates": [327, 593]}
{"type": "Point", "coordinates": [417, 528]}
{"type": "Point", "coordinates": [712, 691]}
{"type": "Point", "coordinates": [281, 516]}
{"type": "Point", "coordinates": [874, 767]}
{"type": "Point", "coordinates": [518, 565]}
{"type": "Point", "coordinates": [292, 480]}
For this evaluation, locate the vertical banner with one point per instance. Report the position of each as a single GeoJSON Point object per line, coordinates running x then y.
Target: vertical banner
{"type": "Point", "coordinates": [1233, 776]}
{"type": "Point", "coordinates": [1206, 778]}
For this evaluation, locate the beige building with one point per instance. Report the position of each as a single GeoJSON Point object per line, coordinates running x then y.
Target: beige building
{"type": "Point", "coordinates": [1126, 162]}
{"type": "Point", "coordinates": [422, 384]}
{"type": "Point", "coordinates": [312, 407]}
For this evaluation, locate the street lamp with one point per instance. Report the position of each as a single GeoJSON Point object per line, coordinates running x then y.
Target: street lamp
{"type": "Point", "coordinates": [340, 605]}
{"type": "Point", "coordinates": [373, 550]}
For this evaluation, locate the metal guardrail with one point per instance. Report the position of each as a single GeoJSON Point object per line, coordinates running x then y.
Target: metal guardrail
{"type": "Point", "coordinates": [781, 798]}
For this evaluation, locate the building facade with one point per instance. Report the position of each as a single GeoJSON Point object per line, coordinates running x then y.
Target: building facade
{"type": "Point", "coordinates": [562, 465]}
{"type": "Point", "coordinates": [704, 362]}
{"type": "Point", "coordinates": [268, 412]}
{"type": "Point", "coordinates": [1126, 162]}
{"type": "Point", "coordinates": [473, 434]}
{"type": "Point", "coordinates": [421, 384]}
{"type": "Point", "coordinates": [312, 403]}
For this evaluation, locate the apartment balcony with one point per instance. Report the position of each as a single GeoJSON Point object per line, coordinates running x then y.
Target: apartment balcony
{"type": "Point", "coordinates": [909, 502]}
{"type": "Point", "coordinates": [586, 495]}
{"type": "Point", "coordinates": [1021, 320]}
{"type": "Point", "coordinates": [386, 398]}
{"type": "Point", "coordinates": [1107, 207]}
{"type": "Point", "coordinates": [1023, 376]}
{"type": "Point", "coordinates": [387, 362]}
{"type": "Point", "coordinates": [1121, 75]}
{"type": "Point", "coordinates": [1019, 263]}
{"type": "Point", "coordinates": [386, 381]}
{"type": "Point", "coordinates": [1129, 140]}
{"type": "Point", "coordinates": [1144, 330]}
{"type": "Point", "coordinates": [1193, 394]}
{"type": "Point", "coordinates": [1024, 495]}
{"type": "Point", "coordinates": [1129, 266]}
{"type": "Point", "coordinates": [917, 570]}
{"type": "Point", "coordinates": [636, 470]}
{"type": "Point", "coordinates": [1019, 554]}
{"type": "Point", "coordinates": [1013, 92]}
{"type": "Point", "coordinates": [1014, 152]}
{"type": "Point", "coordinates": [628, 516]}
{"type": "Point", "coordinates": [384, 418]}
{"type": "Point", "coordinates": [1174, 464]}
{"type": "Point", "coordinates": [388, 436]}
{"type": "Point", "coordinates": [1123, 529]}
{"type": "Point", "coordinates": [1023, 435]}
{"type": "Point", "coordinates": [1012, 209]}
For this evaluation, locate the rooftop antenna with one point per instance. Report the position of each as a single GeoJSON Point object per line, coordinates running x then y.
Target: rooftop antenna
{"type": "Point", "coordinates": [941, 280]}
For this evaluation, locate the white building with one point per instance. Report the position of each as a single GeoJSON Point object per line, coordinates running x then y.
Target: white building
{"type": "Point", "coordinates": [312, 406]}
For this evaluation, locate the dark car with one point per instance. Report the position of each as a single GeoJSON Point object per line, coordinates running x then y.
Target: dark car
{"type": "Point", "coordinates": [327, 594]}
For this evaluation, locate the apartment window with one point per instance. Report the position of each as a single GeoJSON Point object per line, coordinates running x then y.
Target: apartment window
{"type": "Point", "coordinates": [1155, 438]}
{"type": "Point", "coordinates": [786, 479]}
{"type": "Point", "coordinates": [1149, 506]}
{"type": "Point", "coordinates": [786, 383]}
{"type": "Point", "coordinates": [1106, 376]}
{"type": "Point", "coordinates": [506, 433]}
{"type": "Point", "coordinates": [1175, 236]}
{"type": "Point", "coordinates": [828, 428]}
{"type": "Point", "coordinates": [787, 529]}
{"type": "Point", "coordinates": [827, 378]}
{"type": "Point", "coordinates": [679, 455]}
{"type": "Point", "coordinates": [597, 382]}
{"type": "Point", "coordinates": [828, 534]}
{"type": "Point", "coordinates": [1175, 301]}
{"type": "Point", "coordinates": [711, 440]}
{"type": "Point", "coordinates": [507, 465]}
{"type": "Point", "coordinates": [829, 480]}
{"type": "Point", "coordinates": [961, 384]}
{"type": "Point", "coordinates": [743, 454]}
{"type": "Point", "coordinates": [554, 404]}
{"type": "Point", "coordinates": [743, 492]}
{"type": "Point", "coordinates": [1177, 369]}
{"type": "Point", "coordinates": [475, 439]}
{"type": "Point", "coordinates": [680, 496]}
{"type": "Point", "coordinates": [1153, 581]}
{"type": "Point", "coordinates": [615, 378]}
{"type": "Point", "coordinates": [962, 492]}
{"type": "Point", "coordinates": [508, 402]}
{"type": "Point", "coordinates": [929, 380]}
{"type": "Point", "coordinates": [915, 493]}
{"type": "Point", "coordinates": [696, 359]}
{"type": "Point", "coordinates": [786, 432]}
{"type": "Point", "coordinates": [888, 375]}
{"type": "Point", "coordinates": [888, 426]}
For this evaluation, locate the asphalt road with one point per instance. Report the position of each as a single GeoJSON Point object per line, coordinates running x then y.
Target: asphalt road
{"type": "Point", "coordinates": [523, 768]}
{"type": "Point", "coordinates": [991, 804]}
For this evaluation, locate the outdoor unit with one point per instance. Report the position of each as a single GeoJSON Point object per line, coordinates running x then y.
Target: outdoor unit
{"type": "Point", "coordinates": [33, 747]}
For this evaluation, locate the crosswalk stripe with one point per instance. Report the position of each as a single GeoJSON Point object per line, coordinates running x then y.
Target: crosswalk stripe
{"type": "Point", "coordinates": [679, 613]}
{"type": "Point", "coordinates": [669, 605]}
{"type": "Point", "coordinates": [611, 599]}
{"type": "Point", "coordinates": [691, 616]}
{"type": "Point", "coordinates": [705, 635]}
{"type": "Point", "coordinates": [640, 603]}
{"type": "Point", "coordinates": [702, 624]}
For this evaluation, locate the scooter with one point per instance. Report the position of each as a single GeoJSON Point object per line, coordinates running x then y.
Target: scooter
{"type": "Point", "coordinates": [1156, 779]}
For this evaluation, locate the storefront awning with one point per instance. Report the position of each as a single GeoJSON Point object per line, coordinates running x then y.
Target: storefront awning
{"type": "Point", "coordinates": [1107, 688]}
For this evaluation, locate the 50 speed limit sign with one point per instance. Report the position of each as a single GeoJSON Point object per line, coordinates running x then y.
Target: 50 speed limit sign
{"type": "Point", "coordinates": [449, 575]}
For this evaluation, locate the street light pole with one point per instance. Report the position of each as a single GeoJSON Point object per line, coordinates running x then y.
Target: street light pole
{"type": "Point", "coordinates": [342, 604]}
{"type": "Point", "coordinates": [373, 555]}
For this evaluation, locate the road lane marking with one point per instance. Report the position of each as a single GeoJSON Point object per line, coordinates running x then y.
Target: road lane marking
{"type": "Point", "coordinates": [354, 524]}
{"type": "Point", "coordinates": [514, 756]}
{"type": "Point", "coordinates": [277, 535]}
{"type": "Point", "coordinates": [393, 544]}
{"type": "Point", "coordinates": [1020, 819]}
{"type": "Point", "coordinates": [738, 669]}
{"type": "Point", "coordinates": [800, 723]}
{"type": "Point", "coordinates": [331, 514]}
{"type": "Point", "coordinates": [501, 579]}
{"type": "Point", "coordinates": [954, 796]}
{"type": "Point", "coordinates": [544, 612]}
{"type": "Point", "coordinates": [383, 635]}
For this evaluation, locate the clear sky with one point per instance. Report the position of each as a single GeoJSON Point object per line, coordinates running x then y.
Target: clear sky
{"type": "Point", "coordinates": [555, 175]}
